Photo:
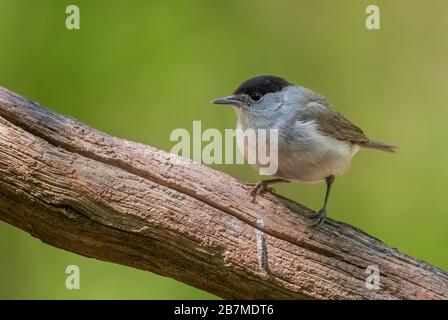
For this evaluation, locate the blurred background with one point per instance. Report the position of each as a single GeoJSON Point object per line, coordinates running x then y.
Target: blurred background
{"type": "Point", "coordinates": [139, 69]}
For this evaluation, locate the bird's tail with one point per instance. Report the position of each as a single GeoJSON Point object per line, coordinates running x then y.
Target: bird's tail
{"type": "Point", "coordinates": [379, 146]}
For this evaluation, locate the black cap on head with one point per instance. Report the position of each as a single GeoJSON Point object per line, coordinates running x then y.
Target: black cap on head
{"type": "Point", "coordinates": [262, 84]}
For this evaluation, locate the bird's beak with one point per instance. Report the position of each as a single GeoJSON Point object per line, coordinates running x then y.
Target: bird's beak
{"type": "Point", "coordinates": [231, 100]}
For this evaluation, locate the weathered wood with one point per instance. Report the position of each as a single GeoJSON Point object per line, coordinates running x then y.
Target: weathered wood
{"type": "Point", "coordinates": [81, 190]}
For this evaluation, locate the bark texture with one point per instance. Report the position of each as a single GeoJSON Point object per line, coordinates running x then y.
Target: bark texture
{"type": "Point", "coordinates": [84, 191]}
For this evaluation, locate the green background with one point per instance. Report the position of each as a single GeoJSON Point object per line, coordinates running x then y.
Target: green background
{"type": "Point", "coordinates": [139, 69]}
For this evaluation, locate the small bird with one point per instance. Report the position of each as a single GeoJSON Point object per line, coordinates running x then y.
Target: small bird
{"type": "Point", "coordinates": [315, 142]}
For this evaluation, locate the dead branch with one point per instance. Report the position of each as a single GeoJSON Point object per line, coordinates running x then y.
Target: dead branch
{"type": "Point", "coordinates": [81, 190]}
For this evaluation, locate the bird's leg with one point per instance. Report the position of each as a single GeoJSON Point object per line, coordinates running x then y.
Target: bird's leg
{"type": "Point", "coordinates": [319, 217]}
{"type": "Point", "coordinates": [263, 185]}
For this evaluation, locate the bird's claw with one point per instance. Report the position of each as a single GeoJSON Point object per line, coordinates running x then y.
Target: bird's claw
{"type": "Point", "coordinates": [259, 188]}
{"type": "Point", "coordinates": [317, 218]}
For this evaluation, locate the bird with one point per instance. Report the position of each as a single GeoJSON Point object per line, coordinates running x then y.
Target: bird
{"type": "Point", "coordinates": [315, 142]}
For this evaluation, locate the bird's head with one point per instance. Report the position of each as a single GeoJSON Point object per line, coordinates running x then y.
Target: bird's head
{"type": "Point", "coordinates": [257, 94]}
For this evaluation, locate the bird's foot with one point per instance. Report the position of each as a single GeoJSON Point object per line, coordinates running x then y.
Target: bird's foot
{"type": "Point", "coordinates": [317, 218]}
{"type": "Point", "coordinates": [259, 188]}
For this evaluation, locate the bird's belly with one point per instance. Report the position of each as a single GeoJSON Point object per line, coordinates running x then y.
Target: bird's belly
{"type": "Point", "coordinates": [305, 155]}
{"type": "Point", "coordinates": [314, 160]}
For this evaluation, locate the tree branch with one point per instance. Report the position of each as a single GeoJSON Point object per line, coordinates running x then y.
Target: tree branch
{"type": "Point", "coordinates": [81, 190]}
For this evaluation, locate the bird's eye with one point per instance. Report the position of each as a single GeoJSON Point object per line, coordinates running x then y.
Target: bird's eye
{"type": "Point", "coordinates": [256, 96]}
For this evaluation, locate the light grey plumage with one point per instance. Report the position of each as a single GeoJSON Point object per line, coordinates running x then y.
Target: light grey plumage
{"type": "Point", "coordinates": [315, 141]}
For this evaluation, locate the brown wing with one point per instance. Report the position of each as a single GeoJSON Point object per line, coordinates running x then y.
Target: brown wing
{"type": "Point", "coordinates": [330, 122]}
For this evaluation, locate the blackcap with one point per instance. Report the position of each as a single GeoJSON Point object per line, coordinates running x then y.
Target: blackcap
{"type": "Point", "coordinates": [315, 142]}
